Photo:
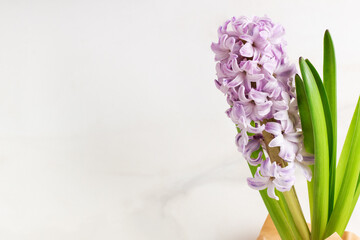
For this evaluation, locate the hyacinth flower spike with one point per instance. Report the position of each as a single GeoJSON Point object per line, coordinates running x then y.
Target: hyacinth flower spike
{"type": "Point", "coordinates": [254, 73]}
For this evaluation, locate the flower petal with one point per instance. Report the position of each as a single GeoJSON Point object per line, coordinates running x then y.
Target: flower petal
{"type": "Point", "coordinates": [258, 182]}
{"type": "Point", "coordinates": [257, 96]}
{"type": "Point", "coordinates": [255, 161]}
{"type": "Point", "coordinates": [283, 184]}
{"type": "Point", "coordinates": [277, 141]}
{"type": "Point", "coordinates": [254, 77]}
{"type": "Point", "coordinates": [273, 128]}
{"type": "Point", "coordinates": [258, 129]}
{"type": "Point", "coordinates": [281, 115]}
{"type": "Point", "coordinates": [235, 82]}
{"type": "Point", "coordinates": [247, 50]}
{"type": "Point", "coordinates": [265, 168]}
{"type": "Point", "coordinates": [271, 191]}
{"type": "Point", "coordinates": [263, 108]}
{"type": "Point", "coordinates": [251, 147]}
{"type": "Point", "coordinates": [241, 93]}
{"type": "Point", "coordinates": [308, 160]}
{"type": "Point", "coordinates": [295, 137]}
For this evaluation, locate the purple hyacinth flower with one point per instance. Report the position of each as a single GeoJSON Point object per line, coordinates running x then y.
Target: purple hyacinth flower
{"type": "Point", "coordinates": [253, 72]}
{"type": "Point", "coordinates": [270, 175]}
{"type": "Point", "coordinates": [287, 139]}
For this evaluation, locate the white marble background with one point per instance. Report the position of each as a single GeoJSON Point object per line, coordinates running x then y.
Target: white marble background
{"type": "Point", "coordinates": [111, 127]}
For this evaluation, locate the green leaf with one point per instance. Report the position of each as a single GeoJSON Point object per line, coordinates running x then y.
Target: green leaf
{"type": "Point", "coordinates": [343, 161]}
{"type": "Point", "coordinates": [356, 197]}
{"type": "Point", "coordinates": [330, 132]}
{"type": "Point", "coordinates": [340, 170]}
{"type": "Point", "coordinates": [321, 167]}
{"type": "Point", "coordinates": [329, 71]}
{"type": "Point", "coordinates": [340, 216]}
{"type": "Point", "coordinates": [305, 117]}
{"type": "Point", "coordinates": [307, 130]}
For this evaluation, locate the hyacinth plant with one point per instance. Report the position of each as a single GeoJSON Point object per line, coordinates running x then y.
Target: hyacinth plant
{"type": "Point", "coordinates": [285, 122]}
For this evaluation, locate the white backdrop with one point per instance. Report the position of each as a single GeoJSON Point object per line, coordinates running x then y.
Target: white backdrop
{"type": "Point", "coordinates": [111, 126]}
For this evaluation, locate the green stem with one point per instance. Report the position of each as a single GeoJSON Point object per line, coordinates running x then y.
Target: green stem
{"type": "Point", "coordinates": [297, 214]}
{"type": "Point", "coordinates": [288, 215]}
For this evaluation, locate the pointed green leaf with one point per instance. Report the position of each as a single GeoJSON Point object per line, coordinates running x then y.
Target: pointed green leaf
{"type": "Point", "coordinates": [307, 130]}
{"type": "Point", "coordinates": [356, 198]}
{"type": "Point", "coordinates": [305, 117]}
{"type": "Point", "coordinates": [330, 131]}
{"type": "Point", "coordinates": [340, 170]}
{"type": "Point", "coordinates": [340, 216]}
{"type": "Point", "coordinates": [343, 161]}
{"type": "Point", "coordinates": [329, 71]}
{"type": "Point", "coordinates": [321, 167]}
